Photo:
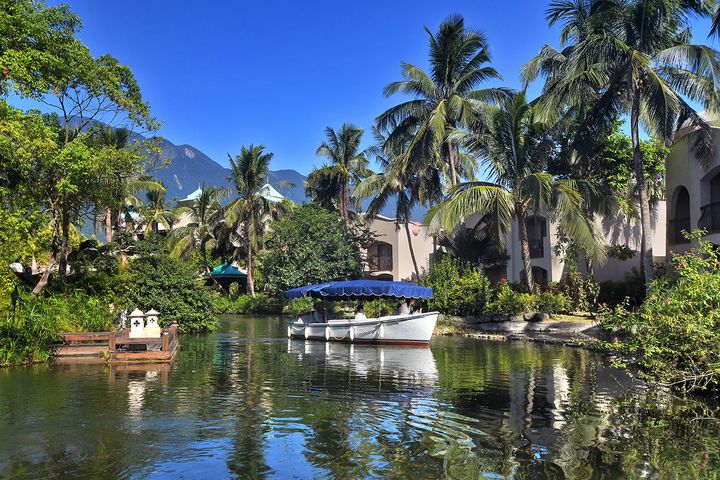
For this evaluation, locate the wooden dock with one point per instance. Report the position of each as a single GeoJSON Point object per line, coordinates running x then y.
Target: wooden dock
{"type": "Point", "coordinates": [118, 347]}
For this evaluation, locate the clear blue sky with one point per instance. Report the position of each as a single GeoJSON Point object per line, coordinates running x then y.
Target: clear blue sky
{"type": "Point", "coordinates": [220, 74]}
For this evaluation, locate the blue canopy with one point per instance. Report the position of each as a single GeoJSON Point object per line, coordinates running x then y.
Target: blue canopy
{"type": "Point", "coordinates": [361, 288]}
{"type": "Point", "coordinates": [227, 270]}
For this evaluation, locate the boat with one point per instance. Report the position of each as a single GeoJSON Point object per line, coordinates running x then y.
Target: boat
{"type": "Point", "coordinates": [404, 329]}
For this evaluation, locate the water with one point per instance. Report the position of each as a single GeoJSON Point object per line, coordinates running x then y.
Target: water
{"type": "Point", "coordinates": [245, 402]}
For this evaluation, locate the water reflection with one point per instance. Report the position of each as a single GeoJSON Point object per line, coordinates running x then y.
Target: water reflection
{"type": "Point", "coordinates": [244, 402]}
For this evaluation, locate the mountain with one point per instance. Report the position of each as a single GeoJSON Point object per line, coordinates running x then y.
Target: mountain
{"type": "Point", "coordinates": [189, 169]}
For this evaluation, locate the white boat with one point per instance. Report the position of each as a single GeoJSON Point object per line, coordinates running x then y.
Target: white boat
{"type": "Point", "coordinates": [410, 329]}
{"type": "Point", "coordinates": [396, 329]}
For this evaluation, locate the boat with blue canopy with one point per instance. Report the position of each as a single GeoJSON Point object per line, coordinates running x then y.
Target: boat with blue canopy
{"type": "Point", "coordinates": [403, 327]}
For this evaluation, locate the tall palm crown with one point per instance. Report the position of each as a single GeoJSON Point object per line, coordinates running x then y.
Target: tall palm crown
{"type": "Point", "coordinates": [347, 163]}
{"type": "Point", "coordinates": [516, 148]}
{"type": "Point", "coordinates": [156, 212]}
{"type": "Point", "coordinates": [249, 172]}
{"type": "Point", "coordinates": [444, 99]}
{"type": "Point", "coordinates": [205, 214]}
{"type": "Point", "coordinates": [632, 57]}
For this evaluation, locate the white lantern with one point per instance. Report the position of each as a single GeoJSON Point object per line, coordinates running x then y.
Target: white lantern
{"type": "Point", "coordinates": [137, 324]}
{"type": "Point", "coordinates": [152, 328]}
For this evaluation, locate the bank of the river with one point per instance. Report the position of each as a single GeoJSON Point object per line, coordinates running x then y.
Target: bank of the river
{"type": "Point", "coordinates": [570, 330]}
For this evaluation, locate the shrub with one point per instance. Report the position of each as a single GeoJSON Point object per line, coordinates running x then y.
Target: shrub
{"type": "Point", "coordinates": [674, 336]}
{"type": "Point", "coordinates": [629, 292]}
{"type": "Point", "coordinates": [552, 302]}
{"type": "Point", "coordinates": [581, 292]}
{"type": "Point", "coordinates": [379, 308]}
{"type": "Point", "coordinates": [27, 332]}
{"type": "Point", "coordinates": [442, 277]}
{"type": "Point", "coordinates": [246, 304]}
{"type": "Point", "coordinates": [298, 306]}
{"type": "Point", "coordinates": [510, 302]}
{"type": "Point", "coordinates": [471, 294]}
{"type": "Point", "coordinates": [157, 280]}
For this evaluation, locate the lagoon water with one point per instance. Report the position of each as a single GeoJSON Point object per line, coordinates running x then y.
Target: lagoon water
{"type": "Point", "coordinates": [245, 402]}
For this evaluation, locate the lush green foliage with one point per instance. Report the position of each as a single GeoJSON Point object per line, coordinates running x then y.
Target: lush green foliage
{"type": "Point", "coordinates": [511, 302]}
{"type": "Point", "coordinates": [157, 280]}
{"type": "Point", "coordinates": [27, 331]}
{"type": "Point", "coordinates": [299, 306]}
{"type": "Point", "coordinates": [310, 245]}
{"type": "Point", "coordinates": [246, 304]}
{"type": "Point", "coordinates": [674, 337]}
{"type": "Point", "coordinates": [552, 302]}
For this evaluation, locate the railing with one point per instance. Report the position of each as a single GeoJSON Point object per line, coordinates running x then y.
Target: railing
{"type": "Point", "coordinates": [537, 249]}
{"type": "Point", "coordinates": [675, 229]}
{"type": "Point", "coordinates": [710, 217]}
{"type": "Point", "coordinates": [377, 264]}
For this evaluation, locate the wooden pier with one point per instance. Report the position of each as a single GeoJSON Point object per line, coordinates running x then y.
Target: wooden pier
{"type": "Point", "coordinates": [118, 347]}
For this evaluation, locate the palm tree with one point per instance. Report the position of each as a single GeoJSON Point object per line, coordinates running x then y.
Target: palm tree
{"type": "Point", "coordinates": [446, 98]}
{"type": "Point", "coordinates": [322, 187]}
{"type": "Point", "coordinates": [348, 164]}
{"type": "Point", "coordinates": [632, 57]}
{"type": "Point", "coordinates": [250, 171]}
{"type": "Point", "coordinates": [156, 211]}
{"type": "Point", "coordinates": [198, 235]}
{"type": "Point", "coordinates": [125, 189]}
{"type": "Point", "coordinates": [517, 149]}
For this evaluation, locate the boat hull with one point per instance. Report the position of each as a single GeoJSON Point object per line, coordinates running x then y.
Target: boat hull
{"type": "Point", "coordinates": [413, 329]}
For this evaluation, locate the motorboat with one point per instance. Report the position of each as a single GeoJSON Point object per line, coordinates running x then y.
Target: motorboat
{"type": "Point", "coordinates": [402, 329]}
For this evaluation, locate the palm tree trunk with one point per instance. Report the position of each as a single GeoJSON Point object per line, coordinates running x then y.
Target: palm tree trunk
{"type": "Point", "coordinates": [108, 225]}
{"type": "Point", "coordinates": [45, 276]}
{"type": "Point", "coordinates": [453, 167]}
{"type": "Point", "coordinates": [344, 197]}
{"type": "Point", "coordinates": [412, 251]}
{"type": "Point", "coordinates": [65, 244]}
{"type": "Point", "coordinates": [525, 249]}
{"type": "Point", "coordinates": [250, 276]}
{"type": "Point", "coordinates": [645, 226]}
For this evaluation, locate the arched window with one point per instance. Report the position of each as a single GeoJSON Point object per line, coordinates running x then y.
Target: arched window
{"type": "Point", "coordinates": [680, 220]}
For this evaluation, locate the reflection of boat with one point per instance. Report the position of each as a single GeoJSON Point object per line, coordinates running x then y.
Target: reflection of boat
{"type": "Point", "coordinates": [414, 364]}
{"type": "Point", "coordinates": [411, 329]}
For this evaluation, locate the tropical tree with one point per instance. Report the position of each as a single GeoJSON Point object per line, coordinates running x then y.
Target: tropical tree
{"type": "Point", "coordinates": [632, 57]}
{"type": "Point", "coordinates": [157, 211]}
{"type": "Point", "coordinates": [250, 211]}
{"type": "Point", "coordinates": [347, 164]}
{"type": "Point", "coordinates": [322, 187]}
{"type": "Point", "coordinates": [517, 149]}
{"type": "Point", "coordinates": [445, 98]}
{"type": "Point", "coordinates": [205, 214]}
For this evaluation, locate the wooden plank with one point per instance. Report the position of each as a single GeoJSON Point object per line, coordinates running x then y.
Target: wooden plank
{"type": "Point", "coordinates": [79, 350]}
{"type": "Point", "coordinates": [139, 341]}
{"type": "Point", "coordinates": [80, 337]}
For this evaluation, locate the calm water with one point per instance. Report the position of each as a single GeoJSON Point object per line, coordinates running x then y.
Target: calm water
{"type": "Point", "coordinates": [245, 402]}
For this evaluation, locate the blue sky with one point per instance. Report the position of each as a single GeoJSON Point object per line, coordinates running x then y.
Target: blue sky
{"type": "Point", "coordinates": [222, 74]}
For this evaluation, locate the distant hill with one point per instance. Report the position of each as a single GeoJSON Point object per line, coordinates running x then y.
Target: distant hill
{"type": "Point", "coordinates": [189, 168]}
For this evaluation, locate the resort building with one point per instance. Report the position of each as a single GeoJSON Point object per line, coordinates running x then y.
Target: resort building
{"type": "Point", "coordinates": [547, 263]}
{"type": "Point", "coordinates": [389, 257]}
{"type": "Point", "coordinates": [693, 191]}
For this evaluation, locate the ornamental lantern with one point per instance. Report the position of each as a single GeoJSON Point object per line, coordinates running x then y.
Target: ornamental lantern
{"type": "Point", "coordinates": [152, 328]}
{"type": "Point", "coordinates": [137, 324]}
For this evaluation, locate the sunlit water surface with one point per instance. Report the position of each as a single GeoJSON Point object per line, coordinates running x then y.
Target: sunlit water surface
{"type": "Point", "coordinates": [245, 402]}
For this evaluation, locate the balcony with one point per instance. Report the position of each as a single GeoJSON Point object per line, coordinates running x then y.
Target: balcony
{"type": "Point", "coordinates": [710, 217]}
{"type": "Point", "coordinates": [537, 249]}
{"type": "Point", "coordinates": [675, 229]}
{"type": "Point", "coordinates": [379, 264]}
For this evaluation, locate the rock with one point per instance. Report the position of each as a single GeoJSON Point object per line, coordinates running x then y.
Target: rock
{"type": "Point", "coordinates": [537, 317]}
{"type": "Point", "coordinates": [473, 320]}
{"type": "Point", "coordinates": [516, 318]}
{"type": "Point", "coordinates": [499, 318]}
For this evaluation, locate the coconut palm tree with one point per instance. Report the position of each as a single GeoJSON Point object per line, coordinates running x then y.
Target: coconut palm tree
{"type": "Point", "coordinates": [322, 187]}
{"type": "Point", "coordinates": [205, 213]}
{"type": "Point", "coordinates": [250, 211]}
{"type": "Point", "coordinates": [347, 163]}
{"type": "Point", "coordinates": [156, 212]}
{"type": "Point", "coordinates": [445, 98]}
{"type": "Point", "coordinates": [516, 148]}
{"type": "Point", "coordinates": [632, 57]}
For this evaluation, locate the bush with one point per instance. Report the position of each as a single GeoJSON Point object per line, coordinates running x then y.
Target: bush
{"type": "Point", "coordinates": [27, 332]}
{"type": "Point", "coordinates": [510, 302]}
{"type": "Point", "coordinates": [581, 292]}
{"type": "Point", "coordinates": [379, 308]}
{"type": "Point", "coordinates": [629, 292]}
{"type": "Point", "coordinates": [298, 306]}
{"type": "Point", "coordinates": [246, 304]}
{"type": "Point", "coordinates": [442, 277]}
{"type": "Point", "coordinates": [674, 336]}
{"type": "Point", "coordinates": [552, 303]}
{"type": "Point", "coordinates": [157, 280]}
{"type": "Point", "coordinates": [472, 294]}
